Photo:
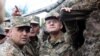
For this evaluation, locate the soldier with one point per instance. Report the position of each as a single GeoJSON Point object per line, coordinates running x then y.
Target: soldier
{"type": "Point", "coordinates": [6, 25]}
{"type": "Point", "coordinates": [32, 47]}
{"type": "Point", "coordinates": [57, 42]}
{"type": "Point", "coordinates": [76, 25]}
{"type": "Point", "coordinates": [18, 37]}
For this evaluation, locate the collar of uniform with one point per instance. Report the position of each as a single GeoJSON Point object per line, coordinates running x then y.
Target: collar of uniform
{"type": "Point", "coordinates": [8, 40]}
{"type": "Point", "coordinates": [35, 38]}
{"type": "Point", "coordinates": [60, 38]}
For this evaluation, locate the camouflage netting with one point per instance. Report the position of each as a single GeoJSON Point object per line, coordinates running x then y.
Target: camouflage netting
{"type": "Point", "coordinates": [91, 45]}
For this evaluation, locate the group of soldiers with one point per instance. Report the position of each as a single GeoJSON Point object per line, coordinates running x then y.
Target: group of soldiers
{"type": "Point", "coordinates": [23, 38]}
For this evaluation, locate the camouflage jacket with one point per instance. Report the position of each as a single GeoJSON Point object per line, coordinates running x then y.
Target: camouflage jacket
{"type": "Point", "coordinates": [32, 47]}
{"type": "Point", "coordinates": [8, 48]}
{"type": "Point", "coordinates": [61, 47]}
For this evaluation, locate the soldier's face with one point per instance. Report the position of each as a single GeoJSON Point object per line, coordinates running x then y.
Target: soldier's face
{"type": "Point", "coordinates": [34, 29]}
{"type": "Point", "coordinates": [53, 25]}
{"type": "Point", "coordinates": [20, 35]}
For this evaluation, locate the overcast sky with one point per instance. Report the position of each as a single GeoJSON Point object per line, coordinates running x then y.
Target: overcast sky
{"type": "Point", "coordinates": [30, 5]}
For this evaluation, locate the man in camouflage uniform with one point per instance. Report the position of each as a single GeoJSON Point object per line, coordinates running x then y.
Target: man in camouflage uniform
{"type": "Point", "coordinates": [74, 25]}
{"type": "Point", "coordinates": [18, 37]}
{"type": "Point", "coordinates": [57, 42]}
{"type": "Point", "coordinates": [32, 47]}
{"type": "Point", "coordinates": [6, 25]}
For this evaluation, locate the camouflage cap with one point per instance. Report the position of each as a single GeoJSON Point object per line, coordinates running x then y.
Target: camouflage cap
{"type": "Point", "coordinates": [52, 15]}
{"type": "Point", "coordinates": [18, 21]}
{"type": "Point", "coordinates": [34, 19]}
{"type": "Point", "coordinates": [6, 24]}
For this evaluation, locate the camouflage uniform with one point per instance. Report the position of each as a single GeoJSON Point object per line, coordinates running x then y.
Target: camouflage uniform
{"type": "Point", "coordinates": [8, 48]}
{"type": "Point", "coordinates": [32, 47]}
{"type": "Point", "coordinates": [60, 47]}
{"type": "Point", "coordinates": [75, 26]}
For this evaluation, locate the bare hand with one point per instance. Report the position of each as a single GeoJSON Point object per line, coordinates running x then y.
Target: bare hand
{"type": "Point", "coordinates": [67, 9]}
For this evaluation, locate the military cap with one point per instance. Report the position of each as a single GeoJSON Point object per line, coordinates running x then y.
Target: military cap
{"type": "Point", "coordinates": [34, 19]}
{"type": "Point", "coordinates": [52, 15]}
{"type": "Point", "coordinates": [18, 21]}
{"type": "Point", "coordinates": [6, 24]}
